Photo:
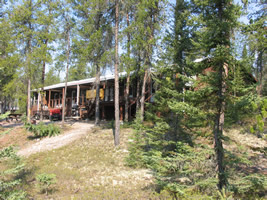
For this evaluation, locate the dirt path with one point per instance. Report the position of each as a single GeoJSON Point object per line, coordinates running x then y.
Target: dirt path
{"type": "Point", "coordinates": [92, 168]}
{"type": "Point", "coordinates": [78, 130]}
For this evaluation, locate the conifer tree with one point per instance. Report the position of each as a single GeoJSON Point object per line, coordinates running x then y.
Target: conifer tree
{"type": "Point", "coordinates": [9, 59]}
{"type": "Point", "coordinates": [256, 32]}
{"type": "Point", "coordinates": [46, 15]}
{"type": "Point", "coordinates": [146, 24]}
{"type": "Point", "coordinates": [65, 40]}
{"type": "Point", "coordinates": [23, 20]}
{"type": "Point", "coordinates": [127, 59]}
{"type": "Point", "coordinates": [96, 38]}
{"type": "Point", "coordinates": [219, 19]}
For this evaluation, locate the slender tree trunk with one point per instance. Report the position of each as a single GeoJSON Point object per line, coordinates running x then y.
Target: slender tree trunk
{"type": "Point", "coordinates": [29, 50]}
{"type": "Point", "coordinates": [218, 130]}
{"type": "Point", "coordinates": [128, 74]}
{"type": "Point", "coordinates": [138, 80]}
{"type": "Point", "coordinates": [42, 92]}
{"type": "Point", "coordinates": [29, 101]}
{"type": "Point", "coordinates": [97, 83]}
{"type": "Point", "coordinates": [219, 119]}
{"type": "Point", "coordinates": [4, 105]}
{"type": "Point", "coordinates": [137, 93]}
{"type": "Point", "coordinates": [117, 109]}
{"type": "Point", "coordinates": [148, 53]}
{"type": "Point", "coordinates": [260, 73]}
{"type": "Point", "coordinates": [97, 112]}
{"type": "Point", "coordinates": [127, 98]}
{"type": "Point", "coordinates": [143, 95]}
{"type": "Point", "coordinates": [66, 78]}
{"type": "Point", "coordinates": [43, 82]}
{"type": "Point", "coordinates": [1, 108]}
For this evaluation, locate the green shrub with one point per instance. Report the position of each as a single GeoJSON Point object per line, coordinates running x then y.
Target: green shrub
{"type": "Point", "coordinates": [42, 130]}
{"type": "Point", "coordinates": [4, 116]}
{"type": "Point", "coordinates": [45, 181]}
{"type": "Point", "coordinates": [9, 183]}
{"type": "Point", "coordinates": [261, 108]}
{"type": "Point", "coordinates": [250, 187]}
{"type": "Point", "coordinates": [136, 144]}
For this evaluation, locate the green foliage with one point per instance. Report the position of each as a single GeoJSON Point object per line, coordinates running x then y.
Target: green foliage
{"type": "Point", "coordinates": [249, 187]}
{"type": "Point", "coordinates": [4, 116]}
{"type": "Point", "coordinates": [9, 183]}
{"type": "Point", "coordinates": [45, 182]}
{"type": "Point", "coordinates": [260, 107]}
{"type": "Point", "coordinates": [184, 169]}
{"type": "Point", "coordinates": [43, 130]}
{"type": "Point", "coordinates": [52, 77]}
{"type": "Point", "coordinates": [136, 145]}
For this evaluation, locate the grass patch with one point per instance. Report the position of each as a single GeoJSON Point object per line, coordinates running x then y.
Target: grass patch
{"type": "Point", "coordinates": [91, 168]}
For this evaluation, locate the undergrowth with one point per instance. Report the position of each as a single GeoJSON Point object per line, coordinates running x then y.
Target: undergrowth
{"type": "Point", "coordinates": [11, 167]}
{"type": "Point", "coordinates": [43, 130]}
{"type": "Point", "coordinates": [186, 169]}
{"type": "Point", "coordinates": [4, 116]}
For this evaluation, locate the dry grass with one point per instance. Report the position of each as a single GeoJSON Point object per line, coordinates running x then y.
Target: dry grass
{"type": "Point", "coordinates": [17, 136]}
{"type": "Point", "coordinates": [91, 168]}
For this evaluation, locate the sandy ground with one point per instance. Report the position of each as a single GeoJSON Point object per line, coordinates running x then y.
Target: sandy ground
{"type": "Point", "coordinates": [78, 129]}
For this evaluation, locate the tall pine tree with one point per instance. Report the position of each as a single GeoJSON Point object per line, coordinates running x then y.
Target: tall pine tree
{"type": "Point", "coordinates": [95, 38]}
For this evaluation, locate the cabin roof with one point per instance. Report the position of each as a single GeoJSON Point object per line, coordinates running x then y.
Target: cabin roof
{"type": "Point", "coordinates": [84, 81]}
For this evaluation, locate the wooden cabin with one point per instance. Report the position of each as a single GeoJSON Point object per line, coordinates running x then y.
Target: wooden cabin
{"type": "Point", "coordinates": [80, 99]}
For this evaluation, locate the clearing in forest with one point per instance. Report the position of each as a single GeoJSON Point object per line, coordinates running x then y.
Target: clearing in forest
{"type": "Point", "coordinates": [89, 167]}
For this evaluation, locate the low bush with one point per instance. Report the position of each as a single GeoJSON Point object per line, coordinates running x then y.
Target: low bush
{"type": "Point", "coordinates": [45, 182]}
{"type": "Point", "coordinates": [43, 130]}
{"type": "Point", "coordinates": [4, 116]}
{"type": "Point", "coordinates": [260, 108]}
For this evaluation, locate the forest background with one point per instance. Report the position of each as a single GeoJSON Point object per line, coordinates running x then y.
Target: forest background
{"type": "Point", "coordinates": [173, 42]}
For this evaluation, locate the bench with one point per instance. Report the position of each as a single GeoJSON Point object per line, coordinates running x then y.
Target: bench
{"type": "Point", "coordinates": [13, 116]}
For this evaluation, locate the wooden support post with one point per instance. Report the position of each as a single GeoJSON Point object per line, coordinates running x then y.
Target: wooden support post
{"type": "Point", "coordinates": [121, 113]}
{"type": "Point", "coordinates": [38, 103]}
{"type": "Point", "coordinates": [63, 95]}
{"type": "Point", "coordinates": [78, 95]}
{"type": "Point", "coordinates": [49, 99]}
{"type": "Point", "coordinates": [44, 100]}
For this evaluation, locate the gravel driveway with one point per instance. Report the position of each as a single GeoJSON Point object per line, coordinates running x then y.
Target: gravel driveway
{"type": "Point", "coordinates": [78, 130]}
